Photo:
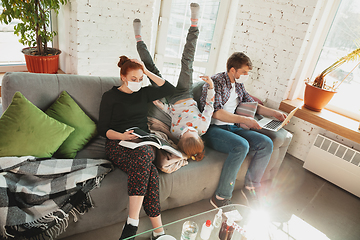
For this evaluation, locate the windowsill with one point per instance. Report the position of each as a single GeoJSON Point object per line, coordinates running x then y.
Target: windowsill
{"type": "Point", "coordinates": [331, 121]}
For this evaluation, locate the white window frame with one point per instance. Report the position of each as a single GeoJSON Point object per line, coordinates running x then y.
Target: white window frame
{"type": "Point", "coordinates": [210, 65]}
{"type": "Point", "coordinates": [324, 14]}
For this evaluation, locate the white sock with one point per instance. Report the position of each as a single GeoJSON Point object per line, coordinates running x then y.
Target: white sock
{"type": "Point", "coordinates": [137, 29]}
{"type": "Point", "coordinates": [194, 7]}
{"type": "Point", "coordinates": [155, 234]}
{"type": "Point", "coordinates": [134, 222]}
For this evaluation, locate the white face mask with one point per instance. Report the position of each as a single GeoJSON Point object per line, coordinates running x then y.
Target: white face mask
{"type": "Point", "coordinates": [242, 78]}
{"type": "Point", "coordinates": [186, 129]}
{"type": "Point", "coordinates": [134, 86]}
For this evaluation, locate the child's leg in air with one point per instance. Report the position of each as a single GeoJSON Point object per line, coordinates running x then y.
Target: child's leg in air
{"type": "Point", "coordinates": [143, 51]}
{"type": "Point", "coordinates": [184, 85]}
{"type": "Point", "coordinates": [145, 56]}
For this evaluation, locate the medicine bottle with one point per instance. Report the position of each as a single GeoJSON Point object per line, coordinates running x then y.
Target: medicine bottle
{"type": "Point", "coordinates": [226, 230]}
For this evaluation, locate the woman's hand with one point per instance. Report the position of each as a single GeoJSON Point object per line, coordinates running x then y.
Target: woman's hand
{"type": "Point", "coordinates": [156, 79]}
{"type": "Point", "coordinates": [208, 80]}
{"type": "Point", "coordinates": [128, 135]}
{"type": "Point", "coordinates": [141, 63]}
{"type": "Point", "coordinates": [114, 135]}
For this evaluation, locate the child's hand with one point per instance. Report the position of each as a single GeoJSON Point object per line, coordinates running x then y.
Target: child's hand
{"type": "Point", "coordinates": [208, 80]}
{"type": "Point", "coordinates": [159, 104]}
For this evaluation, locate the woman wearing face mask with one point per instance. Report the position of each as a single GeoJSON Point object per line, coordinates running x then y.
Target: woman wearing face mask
{"type": "Point", "coordinates": [123, 107]}
{"type": "Point", "coordinates": [186, 122]}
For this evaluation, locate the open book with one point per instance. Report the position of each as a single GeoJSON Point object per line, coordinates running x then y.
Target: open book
{"type": "Point", "coordinates": [148, 139]}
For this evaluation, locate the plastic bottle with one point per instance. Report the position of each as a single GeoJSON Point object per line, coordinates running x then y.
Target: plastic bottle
{"type": "Point", "coordinates": [217, 219]}
{"type": "Point", "coordinates": [206, 230]}
{"type": "Point", "coordinates": [226, 230]}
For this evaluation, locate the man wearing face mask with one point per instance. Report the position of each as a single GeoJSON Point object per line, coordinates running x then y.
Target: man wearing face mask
{"type": "Point", "coordinates": [225, 136]}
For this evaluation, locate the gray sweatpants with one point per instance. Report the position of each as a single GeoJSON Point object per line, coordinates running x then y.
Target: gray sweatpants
{"type": "Point", "coordinates": [184, 85]}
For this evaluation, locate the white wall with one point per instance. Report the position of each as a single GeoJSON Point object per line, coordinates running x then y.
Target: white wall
{"type": "Point", "coordinates": [99, 32]}
{"type": "Point", "coordinates": [270, 32]}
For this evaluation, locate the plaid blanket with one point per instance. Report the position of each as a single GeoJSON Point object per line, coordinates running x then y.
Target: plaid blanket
{"type": "Point", "coordinates": [37, 195]}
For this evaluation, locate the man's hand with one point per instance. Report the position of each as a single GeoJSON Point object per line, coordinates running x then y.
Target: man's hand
{"type": "Point", "coordinates": [251, 123]}
{"type": "Point", "coordinates": [279, 115]}
{"type": "Point", "coordinates": [208, 80]}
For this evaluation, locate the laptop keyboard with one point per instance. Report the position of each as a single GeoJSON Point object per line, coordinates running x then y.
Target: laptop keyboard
{"type": "Point", "coordinates": [273, 124]}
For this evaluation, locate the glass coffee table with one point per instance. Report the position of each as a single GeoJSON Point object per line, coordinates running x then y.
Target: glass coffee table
{"type": "Point", "coordinates": [254, 225]}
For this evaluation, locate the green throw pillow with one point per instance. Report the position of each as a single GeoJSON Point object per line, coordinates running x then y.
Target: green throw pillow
{"type": "Point", "coordinates": [26, 130]}
{"type": "Point", "coordinates": [66, 110]}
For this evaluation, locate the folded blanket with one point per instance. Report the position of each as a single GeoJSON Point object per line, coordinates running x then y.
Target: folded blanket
{"type": "Point", "coordinates": [37, 195]}
{"type": "Point", "coordinates": [166, 161]}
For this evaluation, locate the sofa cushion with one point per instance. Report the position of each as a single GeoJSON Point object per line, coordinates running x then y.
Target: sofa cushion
{"type": "Point", "coordinates": [67, 111]}
{"type": "Point", "coordinates": [26, 130]}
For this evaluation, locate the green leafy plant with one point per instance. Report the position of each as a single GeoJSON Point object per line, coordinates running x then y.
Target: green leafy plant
{"type": "Point", "coordinates": [320, 80]}
{"type": "Point", "coordinates": [34, 25]}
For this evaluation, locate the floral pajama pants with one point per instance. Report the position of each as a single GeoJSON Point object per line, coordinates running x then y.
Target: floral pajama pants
{"type": "Point", "coordinates": [143, 177]}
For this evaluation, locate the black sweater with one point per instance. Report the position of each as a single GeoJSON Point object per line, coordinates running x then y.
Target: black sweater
{"type": "Point", "coordinates": [120, 111]}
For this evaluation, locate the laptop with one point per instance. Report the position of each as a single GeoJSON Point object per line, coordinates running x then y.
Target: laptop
{"type": "Point", "coordinates": [273, 124]}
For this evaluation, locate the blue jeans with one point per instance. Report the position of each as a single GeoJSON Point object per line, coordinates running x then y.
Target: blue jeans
{"type": "Point", "coordinates": [238, 143]}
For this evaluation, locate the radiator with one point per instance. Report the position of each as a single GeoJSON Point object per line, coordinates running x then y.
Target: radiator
{"type": "Point", "coordinates": [336, 163]}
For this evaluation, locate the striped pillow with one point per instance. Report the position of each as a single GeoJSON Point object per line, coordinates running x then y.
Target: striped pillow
{"type": "Point", "coordinates": [247, 109]}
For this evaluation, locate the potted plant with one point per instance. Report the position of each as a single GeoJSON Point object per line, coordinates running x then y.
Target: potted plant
{"type": "Point", "coordinates": [34, 30]}
{"type": "Point", "coordinates": [318, 93]}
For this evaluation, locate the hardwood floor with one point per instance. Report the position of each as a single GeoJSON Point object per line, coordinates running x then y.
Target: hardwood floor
{"type": "Point", "coordinates": [300, 204]}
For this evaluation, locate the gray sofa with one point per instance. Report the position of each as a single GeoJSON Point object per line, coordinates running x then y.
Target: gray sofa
{"type": "Point", "coordinates": [192, 183]}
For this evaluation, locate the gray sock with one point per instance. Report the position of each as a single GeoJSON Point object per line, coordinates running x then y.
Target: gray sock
{"type": "Point", "coordinates": [137, 29]}
{"type": "Point", "coordinates": [194, 7]}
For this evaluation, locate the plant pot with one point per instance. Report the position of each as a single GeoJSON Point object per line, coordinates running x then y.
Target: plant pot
{"type": "Point", "coordinates": [316, 98]}
{"type": "Point", "coordinates": [42, 64]}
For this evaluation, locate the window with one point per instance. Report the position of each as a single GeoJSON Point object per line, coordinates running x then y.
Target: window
{"type": "Point", "coordinates": [11, 57]}
{"type": "Point", "coordinates": [10, 48]}
{"type": "Point", "coordinates": [340, 38]}
{"type": "Point", "coordinates": [173, 27]}
{"type": "Point", "coordinates": [343, 38]}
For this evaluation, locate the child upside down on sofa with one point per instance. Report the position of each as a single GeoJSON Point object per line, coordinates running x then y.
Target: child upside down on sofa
{"type": "Point", "coordinates": [187, 122]}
